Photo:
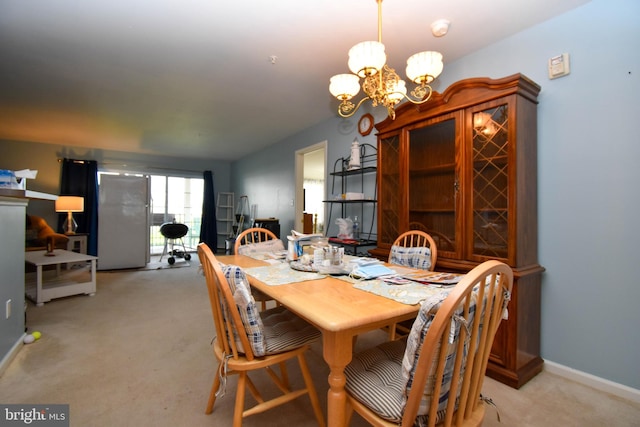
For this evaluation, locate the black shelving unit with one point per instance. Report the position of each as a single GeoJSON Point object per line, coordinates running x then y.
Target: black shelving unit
{"type": "Point", "coordinates": [342, 173]}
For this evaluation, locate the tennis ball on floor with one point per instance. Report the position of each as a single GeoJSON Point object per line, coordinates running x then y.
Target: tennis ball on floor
{"type": "Point", "coordinates": [36, 335]}
{"type": "Point", "coordinates": [28, 339]}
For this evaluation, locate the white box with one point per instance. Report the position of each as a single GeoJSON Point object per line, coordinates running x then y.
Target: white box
{"type": "Point", "coordinates": [22, 176]}
{"type": "Point", "coordinates": [354, 196]}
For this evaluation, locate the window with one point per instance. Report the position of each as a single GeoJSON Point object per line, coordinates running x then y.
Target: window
{"type": "Point", "coordinates": [176, 199]}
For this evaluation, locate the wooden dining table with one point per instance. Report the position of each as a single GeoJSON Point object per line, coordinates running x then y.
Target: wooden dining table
{"type": "Point", "coordinates": [340, 312]}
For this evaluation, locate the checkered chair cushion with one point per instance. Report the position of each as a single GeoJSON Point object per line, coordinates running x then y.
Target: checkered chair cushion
{"type": "Point", "coordinates": [271, 331]}
{"type": "Point", "coordinates": [415, 257]}
{"type": "Point", "coordinates": [249, 313]}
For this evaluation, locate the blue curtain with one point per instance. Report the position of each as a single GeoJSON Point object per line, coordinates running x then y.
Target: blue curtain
{"type": "Point", "coordinates": [209, 227]}
{"type": "Point", "coordinates": [80, 178]}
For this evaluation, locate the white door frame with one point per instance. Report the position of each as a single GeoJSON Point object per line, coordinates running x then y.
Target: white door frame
{"type": "Point", "coordinates": [299, 195]}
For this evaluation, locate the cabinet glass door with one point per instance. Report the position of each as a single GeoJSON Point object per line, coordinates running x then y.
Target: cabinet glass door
{"type": "Point", "coordinates": [433, 182]}
{"type": "Point", "coordinates": [490, 183]}
{"type": "Point", "coordinates": [389, 196]}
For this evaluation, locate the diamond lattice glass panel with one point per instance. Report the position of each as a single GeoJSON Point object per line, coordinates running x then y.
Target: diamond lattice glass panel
{"type": "Point", "coordinates": [490, 182]}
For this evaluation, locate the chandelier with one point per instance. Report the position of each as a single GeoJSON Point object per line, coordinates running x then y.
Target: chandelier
{"type": "Point", "coordinates": [381, 84]}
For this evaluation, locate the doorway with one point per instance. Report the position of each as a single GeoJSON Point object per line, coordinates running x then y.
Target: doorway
{"type": "Point", "coordinates": [311, 173]}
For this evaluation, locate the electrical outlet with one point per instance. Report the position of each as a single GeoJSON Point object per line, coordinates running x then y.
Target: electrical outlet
{"type": "Point", "coordinates": [8, 309]}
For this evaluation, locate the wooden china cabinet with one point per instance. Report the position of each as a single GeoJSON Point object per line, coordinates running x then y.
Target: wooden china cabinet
{"type": "Point", "coordinates": [462, 167]}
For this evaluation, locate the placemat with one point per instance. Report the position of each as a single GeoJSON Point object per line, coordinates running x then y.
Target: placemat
{"type": "Point", "coordinates": [412, 293]}
{"type": "Point", "coordinates": [281, 274]}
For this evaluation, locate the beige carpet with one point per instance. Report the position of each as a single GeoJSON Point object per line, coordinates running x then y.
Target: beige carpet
{"type": "Point", "coordinates": [138, 354]}
{"type": "Point", "coordinates": [156, 263]}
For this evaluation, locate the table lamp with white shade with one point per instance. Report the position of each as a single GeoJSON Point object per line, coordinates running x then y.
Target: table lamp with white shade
{"type": "Point", "coordinates": [70, 204]}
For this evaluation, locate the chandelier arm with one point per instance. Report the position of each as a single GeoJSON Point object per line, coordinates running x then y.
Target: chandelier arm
{"type": "Point", "coordinates": [347, 115]}
{"type": "Point", "coordinates": [418, 101]}
{"type": "Point", "coordinates": [411, 100]}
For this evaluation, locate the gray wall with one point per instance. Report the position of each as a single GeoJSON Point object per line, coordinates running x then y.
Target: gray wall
{"type": "Point", "coordinates": [588, 176]}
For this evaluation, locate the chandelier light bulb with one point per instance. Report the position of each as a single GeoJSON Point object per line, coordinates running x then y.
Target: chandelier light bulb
{"type": "Point", "coordinates": [344, 86]}
{"type": "Point", "coordinates": [424, 67]}
{"type": "Point", "coordinates": [367, 58]}
{"type": "Point", "coordinates": [397, 91]}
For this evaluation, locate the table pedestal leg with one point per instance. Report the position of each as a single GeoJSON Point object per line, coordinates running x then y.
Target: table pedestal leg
{"type": "Point", "coordinates": [337, 349]}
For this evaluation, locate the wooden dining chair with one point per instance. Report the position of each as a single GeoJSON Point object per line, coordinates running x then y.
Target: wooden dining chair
{"type": "Point", "coordinates": [253, 235]}
{"type": "Point", "coordinates": [249, 340]}
{"type": "Point", "coordinates": [253, 238]}
{"type": "Point", "coordinates": [434, 378]}
{"type": "Point", "coordinates": [415, 249]}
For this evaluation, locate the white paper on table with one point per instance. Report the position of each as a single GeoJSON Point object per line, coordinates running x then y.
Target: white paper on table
{"type": "Point", "coordinates": [26, 173]}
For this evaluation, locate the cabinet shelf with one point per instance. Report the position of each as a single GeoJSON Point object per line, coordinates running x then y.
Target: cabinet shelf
{"type": "Point", "coordinates": [452, 210]}
{"type": "Point", "coordinates": [350, 172]}
{"type": "Point", "coordinates": [351, 201]}
{"type": "Point", "coordinates": [443, 210]}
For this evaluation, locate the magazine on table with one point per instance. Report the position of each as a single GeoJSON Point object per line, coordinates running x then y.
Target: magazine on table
{"type": "Point", "coordinates": [431, 278]}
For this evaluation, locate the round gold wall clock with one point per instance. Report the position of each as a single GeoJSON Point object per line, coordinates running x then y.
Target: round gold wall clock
{"type": "Point", "coordinates": [365, 124]}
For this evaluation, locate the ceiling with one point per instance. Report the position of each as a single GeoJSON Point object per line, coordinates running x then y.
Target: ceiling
{"type": "Point", "coordinates": [195, 78]}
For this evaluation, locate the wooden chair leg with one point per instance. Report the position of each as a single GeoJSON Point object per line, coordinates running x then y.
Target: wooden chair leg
{"type": "Point", "coordinates": [284, 375]}
{"type": "Point", "coordinates": [348, 414]}
{"type": "Point", "coordinates": [212, 396]}
{"type": "Point", "coordinates": [239, 408]}
{"type": "Point", "coordinates": [311, 390]}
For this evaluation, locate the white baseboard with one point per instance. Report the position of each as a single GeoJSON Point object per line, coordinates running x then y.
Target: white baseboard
{"type": "Point", "coordinates": [598, 383]}
{"type": "Point", "coordinates": [6, 360]}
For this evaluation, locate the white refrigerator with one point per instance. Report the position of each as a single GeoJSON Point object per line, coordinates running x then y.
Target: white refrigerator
{"type": "Point", "coordinates": [123, 222]}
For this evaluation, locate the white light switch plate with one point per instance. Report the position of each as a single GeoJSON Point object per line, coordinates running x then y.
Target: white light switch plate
{"type": "Point", "coordinates": [559, 66]}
